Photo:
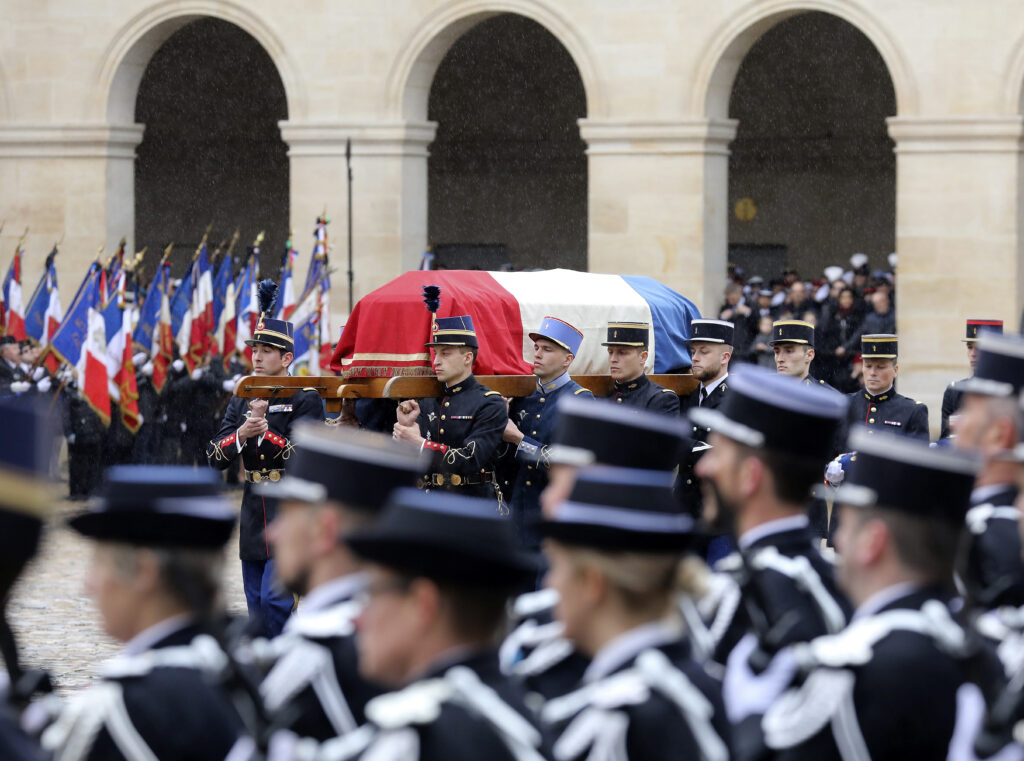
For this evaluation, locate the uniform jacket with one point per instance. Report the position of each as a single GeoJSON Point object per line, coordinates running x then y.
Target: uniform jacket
{"type": "Point", "coordinates": [784, 592]}
{"type": "Point", "coordinates": [313, 686]}
{"type": "Point", "coordinates": [990, 566]}
{"type": "Point", "coordinates": [464, 427]}
{"type": "Point", "coordinates": [640, 392]}
{"type": "Point", "coordinates": [887, 692]}
{"type": "Point", "coordinates": [270, 454]}
{"type": "Point", "coordinates": [687, 485]}
{"type": "Point", "coordinates": [173, 708]}
{"type": "Point", "coordinates": [952, 398]}
{"type": "Point", "coordinates": [889, 412]}
{"type": "Point", "coordinates": [524, 469]}
{"type": "Point", "coordinates": [655, 703]}
{"type": "Point", "coordinates": [9, 375]}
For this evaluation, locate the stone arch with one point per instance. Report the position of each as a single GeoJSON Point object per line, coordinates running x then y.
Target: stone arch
{"type": "Point", "coordinates": [129, 52]}
{"type": "Point", "coordinates": [411, 75]}
{"type": "Point", "coordinates": [730, 44]}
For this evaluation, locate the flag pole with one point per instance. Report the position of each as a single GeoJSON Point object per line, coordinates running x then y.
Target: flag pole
{"type": "Point", "coordinates": [351, 274]}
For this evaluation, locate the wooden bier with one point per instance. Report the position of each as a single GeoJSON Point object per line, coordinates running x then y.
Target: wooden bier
{"type": "Point", "coordinates": [335, 389]}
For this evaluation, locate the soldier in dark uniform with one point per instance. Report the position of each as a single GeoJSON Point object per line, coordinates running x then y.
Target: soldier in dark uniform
{"type": "Point", "coordinates": [627, 354]}
{"type": "Point", "coordinates": [952, 397]}
{"type": "Point", "coordinates": [990, 567]}
{"type": "Point", "coordinates": [173, 412]}
{"type": "Point", "coordinates": [12, 377]}
{"type": "Point", "coordinates": [204, 397]}
{"type": "Point", "coordinates": [793, 345]}
{"type": "Point", "coordinates": [84, 432]}
{"type": "Point", "coordinates": [888, 686]}
{"type": "Point", "coordinates": [155, 575]}
{"type": "Point", "coordinates": [260, 433]}
{"type": "Point", "coordinates": [464, 426]}
{"type": "Point", "coordinates": [615, 551]}
{"type": "Point", "coordinates": [767, 441]}
{"type": "Point", "coordinates": [710, 352]}
{"type": "Point", "coordinates": [25, 452]}
{"type": "Point", "coordinates": [440, 570]}
{"type": "Point", "coordinates": [878, 406]}
{"type": "Point", "coordinates": [337, 482]}
{"type": "Point", "coordinates": [531, 423]}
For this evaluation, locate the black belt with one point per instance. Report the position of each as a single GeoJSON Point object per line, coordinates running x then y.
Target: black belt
{"type": "Point", "coordinates": [267, 474]}
{"type": "Point", "coordinates": [456, 479]}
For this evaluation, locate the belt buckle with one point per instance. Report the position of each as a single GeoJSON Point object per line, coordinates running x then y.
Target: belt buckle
{"type": "Point", "coordinates": [437, 479]}
{"type": "Point", "coordinates": [256, 476]}
{"type": "Point", "coordinates": [274, 475]}
{"type": "Point", "coordinates": [455, 479]}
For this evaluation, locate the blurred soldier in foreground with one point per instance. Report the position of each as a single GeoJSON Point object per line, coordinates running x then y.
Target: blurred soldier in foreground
{"type": "Point", "coordinates": [627, 354]}
{"type": "Point", "coordinates": [952, 397]}
{"type": "Point", "coordinates": [155, 578]}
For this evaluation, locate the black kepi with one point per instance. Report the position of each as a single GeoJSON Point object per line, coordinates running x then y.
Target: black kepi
{"type": "Point", "coordinates": [999, 370]}
{"type": "Point", "coordinates": [711, 331]}
{"type": "Point", "coordinates": [636, 334]}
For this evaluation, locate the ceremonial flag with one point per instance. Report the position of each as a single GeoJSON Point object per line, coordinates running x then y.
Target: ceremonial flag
{"type": "Point", "coordinates": [319, 253]}
{"type": "Point", "coordinates": [44, 314]}
{"type": "Point", "coordinates": [202, 325]}
{"type": "Point", "coordinates": [117, 318]}
{"type": "Point", "coordinates": [81, 343]}
{"type": "Point", "coordinates": [223, 295]}
{"type": "Point", "coordinates": [149, 314]}
{"type": "Point", "coordinates": [14, 322]}
{"type": "Point", "coordinates": [114, 268]}
{"type": "Point", "coordinates": [247, 305]}
{"type": "Point", "coordinates": [162, 347]}
{"type": "Point", "coordinates": [181, 313]}
{"type": "Point", "coordinates": [286, 289]}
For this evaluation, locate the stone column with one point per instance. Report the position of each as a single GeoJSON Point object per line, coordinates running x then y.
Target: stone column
{"type": "Point", "coordinates": [68, 182]}
{"type": "Point", "coordinates": [658, 193]}
{"type": "Point", "coordinates": [389, 190]}
{"type": "Point", "coordinates": [958, 236]}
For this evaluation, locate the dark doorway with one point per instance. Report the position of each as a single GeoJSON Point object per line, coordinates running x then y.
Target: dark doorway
{"type": "Point", "coordinates": [508, 165]}
{"type": "Point", "coordinates": [812, 166]}
{"type": "Point", "coordinates": [211, 99]}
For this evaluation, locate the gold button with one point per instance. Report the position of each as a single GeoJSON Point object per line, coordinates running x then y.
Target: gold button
{"type": "Point", "coordinates": [619, 400]}
{"type": "Point", "coordinates": [542, 400]}
{"type": "Point", "coordinates": [538, 417]}
{"type": "Point", "coordinates": [263, 457]}
{"type": "Point", "coordinates": [533, 433]}
{"type": "Point", "coordinates": [689, 481]}
{"type": "Point", "coordinates": [529, 467]}
{"type": "Point", "coordinates": [874, 409]}
{"type": "Point", "coordinates": [528, 483]}
{"type": "Point", "coordinates": [442, 430]}
{"type": "Point", "coordinates": [442, 417]}
{"type": "Point", "coordinates": [447, 404]}
{"type": "Point", "coordinates": [871, 420]}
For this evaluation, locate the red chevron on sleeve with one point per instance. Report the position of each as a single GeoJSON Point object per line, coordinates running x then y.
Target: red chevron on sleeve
{"type": "Point", "coordinates": [435, 446]}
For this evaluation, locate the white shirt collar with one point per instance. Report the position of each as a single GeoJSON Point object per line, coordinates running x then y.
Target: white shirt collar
{"type": "Point", "coordinates": [145, 639]}
{"type": "Point", "coordinates": [331, 592]}
{"type": "Point", "coordinates": [714, 384]}
{"type": "Point", "coordinates": [630, 644]}
{"type": "Point", "coordinates": [777, 526]}
{"type": "Point", "coordinates": [983, 494]}
{"type": "Point", "coordinates": [883, 597]}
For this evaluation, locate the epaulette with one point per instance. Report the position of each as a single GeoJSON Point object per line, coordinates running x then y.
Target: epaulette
{"type": "Point", "coordinates": [667, 391]}
{"type": "Point", "coordinates": [419, 703]}
{"type": "Point", "coordinates": [800, 570]}
{"type": "Point", "coordinates": [486, 703]}
{"type": "Point", "coordinates": [532, 603]}
{"type": "Point", "coordinates": [917, 402]}
{"type": "Point", "coordinates": [619, 689]}
{"type": "Point", "coordinates": [335, 621]}
{"type": "Point", "coordinates": [543, 658]}
{"type": "Point", "coordinates": [579, 391]}
{"type": "Point", "coordinates": [273, 438]}
{"type": "Point", "coordinates": [977, 518]}
{"type": "Point", "coordinates": [801, 713]}
{"type": "Point", "coordinates": [98, 707]}
{"type": "Point", "coordinates": [491, 393]}
{"type": "Point", "coordinates": [202, 653]}
{"type": "Point", "coordinates": [305, 664]}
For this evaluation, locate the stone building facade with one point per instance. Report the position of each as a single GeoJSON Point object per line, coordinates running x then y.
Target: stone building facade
{"type": "Point", "coordinates": [584, 133]}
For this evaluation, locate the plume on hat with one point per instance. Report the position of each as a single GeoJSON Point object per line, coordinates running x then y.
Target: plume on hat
{"type": "Point", "coordinates": [267, 296]}
{"type": "Point", "coordinates": [432, 297]}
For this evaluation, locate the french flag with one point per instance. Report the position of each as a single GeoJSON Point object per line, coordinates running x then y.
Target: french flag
{"type": "Point", "coordinates": [286, 293]}
{"type": "Point", "coordinates": [81, 342]}
{"type": "Point", "coordinates": [15, 319]}
{"type": "Point", "coordinates": [118, 317]}
{"type": "Point", "coordinates": [202, 325]}
{"type": "Point", "coordinates": [247, 306]}
{"type": "Point", "coordinates": [162, 350]}
{"type": "Point", "coordinates": [44, 313]}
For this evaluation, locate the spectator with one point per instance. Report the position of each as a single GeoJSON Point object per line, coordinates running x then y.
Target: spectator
{"type": "Point", "coordinates": [739, 314]}
{"type": "Point", "coordinates": [762, 353]}
{"type": "Point", "coordinates": [837, 329]}
{"type": "Point", "coordinates": [798, 302]}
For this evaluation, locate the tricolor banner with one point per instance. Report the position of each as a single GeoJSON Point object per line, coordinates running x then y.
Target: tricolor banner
{"type": "Point", "coordinates": [81, 343]}
{"type": "Point", "coordinates": [386, 332]}
{"type": "Point", "coordinates": [14, 324]}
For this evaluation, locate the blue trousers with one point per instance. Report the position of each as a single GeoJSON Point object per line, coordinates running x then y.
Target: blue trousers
{"type": "Point", "coordinates": [268, 608]}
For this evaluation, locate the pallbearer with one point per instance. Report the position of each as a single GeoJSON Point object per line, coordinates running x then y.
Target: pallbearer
{"type": "Point", "coordinates": [878, 407]}
{"type": "Point", "coordinates": [532, 420]}
{"type": "Point", "coordinates": [952, 397]}
{"type": "Point", "coordinates": [463, 427]}
{"type": "Point", "coordinates": [627, 344]}
{"type": "Point", "coordinates": [793, 345]}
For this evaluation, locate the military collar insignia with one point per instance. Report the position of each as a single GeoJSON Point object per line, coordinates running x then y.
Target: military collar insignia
{"type": "Point", "coordinates": [455, 390]}
{"type": "Point", "coordinates": [522, 414]}
{"type": "Point", "coordinates": [432, 417]}
{"type": "Point", "coordinates": [557, 383]}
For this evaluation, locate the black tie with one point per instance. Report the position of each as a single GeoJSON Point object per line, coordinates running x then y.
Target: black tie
{"type": "Point", "coordinates": [703, 396]}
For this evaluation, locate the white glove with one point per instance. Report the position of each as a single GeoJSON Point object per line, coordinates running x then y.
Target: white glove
{"type": "Point", "coordinates": [20, 387]}
{"type": "Point", "coordinates": [39, 373]}
{"type": "Point", "coordinates": [139, 358]}
{"type": "Point", "coordinates": [66, 374]}
{"type": "Point", "coordinates": [229, 385]}
{"type": "Point", "coordinates": [834, 473]}
{"type": "Point", "coordinates": [197, 373]}
{"type": "Point", "coordinates": [141, 419]}
{"type": "Point", "coordinates": [748, 694]}
{"type": "Point", "coordinates": [44, 384]}
{"type": "Point", "coordinates": [178, 364]}
{"type": "Point", "coordinates": [147, 369]}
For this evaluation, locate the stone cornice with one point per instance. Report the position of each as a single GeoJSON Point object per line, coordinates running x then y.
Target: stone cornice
{"type": "Point", "coordinates": [391, 138]}
{"type": "Point", "coordinates": [63, 141]}
{"type": "Point", "coordinates": [956, 134]}
{"type": "Point", "coordinates": [627, 137]}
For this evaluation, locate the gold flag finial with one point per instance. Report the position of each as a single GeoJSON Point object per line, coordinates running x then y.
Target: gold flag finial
{"type": "Point", "coordinates": [259, 238]}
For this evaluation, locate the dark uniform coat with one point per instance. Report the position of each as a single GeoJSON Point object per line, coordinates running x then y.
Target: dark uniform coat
{"type": "Point", "coordinates": [8, 375]}
{"type": "Point", "coordinates": [887, 692]}
{"type": "Point", "coordinates": [14, 744]}
{"type": "Point", "coordinates": [464, 427]}
{"type": "Point", "coordinates": [990, 565]}
{"type": "Point", "coordinates": [313, 686]}
{"type": "Point", "coordinates": [785, 592]}
{"type": "Point", "coordinates": [889, 412]}
{"type": "Point", "coordinates": [952, 398]}
{"type": "Point", "coordinates": [173, 708]}
{"type": "Point", "coordinates": [641, 393]}
{"type": "Point", "coordinates": [687, 485]}
{"type": "Point", "coordinates": [270, 455]}
{"type": "Point", "coordinates": [656, 704]}
{"type": "Point", "coordinates": [525, 468]}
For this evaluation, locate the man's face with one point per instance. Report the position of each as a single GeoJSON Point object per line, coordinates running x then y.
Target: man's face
{"type": "Point", "coordinates": [388, 628]}
{"type": "Point", "coordinates": [626, 362]}
{"type": "Point", "coordinates": [798, 292]}
{"type": "Point", "coordinates": [113, 590]}
{"type": "Point", "coordinates": [793, 359]}
{"type": "Point", "coordinates": [881, 302]}
{"type": "Point", "coordinates": [709, 360]}
{"type": "Point", "coordinates": [972, 355]}
{"type": "Point", "coordinates": [549, 359]}
{"type": "Point", "coordinates": [291, 533]}
{"type": "Point", "coordinates": [451, 362]}
{"type": "Point", "coordinates": [269, 360]}
{"type": "Point", "coordinates": [718, 470]}
{"type": "Point", "coordinates": [879, 374]}
{"type": "Point", "coordinates": [10, 352]}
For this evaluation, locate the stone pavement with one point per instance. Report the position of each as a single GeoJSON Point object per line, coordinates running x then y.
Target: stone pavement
{"type": "Point", "coordinates": [56, 623]}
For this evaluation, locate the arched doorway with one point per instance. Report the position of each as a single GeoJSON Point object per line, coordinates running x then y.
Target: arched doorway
{"type": "Point", "coordinates": [211, 99]}
{"type": "Point", "coordinates": [812, 173]}
{"type": "Point", "coordinates": [507, 174]}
